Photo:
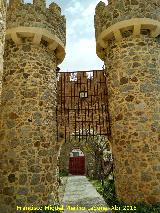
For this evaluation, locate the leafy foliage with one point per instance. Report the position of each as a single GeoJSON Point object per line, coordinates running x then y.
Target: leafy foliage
{"type": "Point", "coordinates": [108, 192]}
{"type": "Point", "coordinates": [63, 173]}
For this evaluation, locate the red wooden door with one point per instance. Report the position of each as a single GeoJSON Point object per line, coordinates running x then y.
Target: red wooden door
{"type": "Point", "coordinates": [77, 165]}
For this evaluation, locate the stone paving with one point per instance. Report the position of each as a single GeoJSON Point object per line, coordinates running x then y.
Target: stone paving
{"type": "Point", "coordinates": [62, 187]}
{"type": "Point", "coordinates": [80, 192]}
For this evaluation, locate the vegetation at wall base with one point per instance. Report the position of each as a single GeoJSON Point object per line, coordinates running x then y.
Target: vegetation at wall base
{"type": "Point", "coordinates": [109, 195]}
{"type": "Point", "coordinates": [63, 173]}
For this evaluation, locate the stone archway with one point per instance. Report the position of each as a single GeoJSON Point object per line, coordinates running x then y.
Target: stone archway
{"type": "Point", "coordinates": [64, 157]}
{"type": "Point", "coordinates": [91, 159]}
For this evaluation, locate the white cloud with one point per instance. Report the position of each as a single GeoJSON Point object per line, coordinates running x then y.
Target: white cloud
{"type": "Point", "coordinates": [76, 6]}
{"type": "Point", "coordinates": [81, 55]}
{"type": "Point", "coordinates": [89, 11]}
{"type": "Point", "coordinates": [81, 44]}
{"type": "Point", "coordinates": [82, 21]}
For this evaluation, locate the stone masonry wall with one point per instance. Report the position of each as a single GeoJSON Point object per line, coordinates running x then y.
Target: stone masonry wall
{"type": "Point", "coordinates": [134, 86]}
{"type": "Point", "coordinates": [133, 67]}
{"type": "Point", "coordinates": [29, 150]}
{"type": "Point", "coordinates": [2, 34]}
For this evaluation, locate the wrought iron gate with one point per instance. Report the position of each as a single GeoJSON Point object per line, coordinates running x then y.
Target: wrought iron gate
{"type": "Point", "coordinates": [82, 104]}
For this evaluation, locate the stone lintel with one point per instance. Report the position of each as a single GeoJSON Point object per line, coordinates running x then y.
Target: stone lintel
{"type": "Point", "coordinates": [117, 35]}
{"type": "Point", "coordinates": [37, 34]}
{"type": "Point", "coordinates": [103, 43]}
{"type": "Point", "coordinates": [137, 30]}
{"type": "Point", "coordinates": [136, 24]}
{"type": "Point", "coordinates": [53, 45]}
{"type": "Point", "coordinates": [15, 38]}
{"type": "Point", "coordinates": [100, 52]}
{"type": "Point", "coordinates": [156, 32]}
{"type": "Point", "coordinates": [37, 39]}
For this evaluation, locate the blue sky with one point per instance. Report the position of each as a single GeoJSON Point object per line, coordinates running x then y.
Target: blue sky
{"type": "Point", "coordinates": [81, 45]}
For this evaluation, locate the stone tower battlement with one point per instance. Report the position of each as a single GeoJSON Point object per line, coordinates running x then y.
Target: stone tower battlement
{"type": "Point", "coordinates": [121, 18]}
{"type": "Point", "coordinates": [38, 24]}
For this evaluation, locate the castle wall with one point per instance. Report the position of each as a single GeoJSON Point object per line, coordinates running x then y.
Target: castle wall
{"type": "Point", "coordinates": [129, 45]}
{"type": "Point", "coordinates": [28, 112]}
{"type": "Point", "coordinates": [2, 35]}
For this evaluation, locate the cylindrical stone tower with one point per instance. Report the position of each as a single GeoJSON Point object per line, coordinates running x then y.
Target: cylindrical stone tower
{"type": "Point", "coordinates": [35, 45]}
{"type": "Point", "coordinates": [128, 41]}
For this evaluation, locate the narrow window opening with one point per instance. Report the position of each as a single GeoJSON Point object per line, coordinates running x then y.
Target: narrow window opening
{"type": "Point", "coordinates": [83, 94]}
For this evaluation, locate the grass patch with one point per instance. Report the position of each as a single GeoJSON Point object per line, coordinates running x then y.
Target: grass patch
{"type": "Point", "coordinates": [109, 195]}
{"type": "Point", "coordinates": [63, 173]}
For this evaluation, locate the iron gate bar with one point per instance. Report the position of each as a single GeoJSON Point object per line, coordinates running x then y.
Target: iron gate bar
{"type": "Point", "coordinates": [78, 109]}
{"type": "Point", "coordinates": [75, 124]}
{"type": "Point", "coordinates": [91, 100]}
{"type": "Point", "coordinates": [74, 93]}
{"type": "Point", "coordinates": [57, 124]}
{"type": "Point", "coordinates": [82, 126]}
{"type": "Point", "coordinates": [64, 89]}
{"type": "Point", "coordinates": [68, 115]}
{"type": "Point", "coordinates": [88, 109]}
{"type": "Point", "coordinates": [80, 83]}
{"type": "Point", "coordinates": [65, 133]}
{"type": "Point", "coordinates": [71, 95]}
{"type": "Point", "coordinates": [97, 91]}
{"type": "Point", "coordinates": [98, 103]}
{"type": "Point", "coordinates": [61, 95]}
{"type": "Point", "coordinates": [79, 134]}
